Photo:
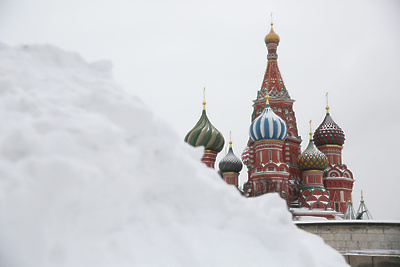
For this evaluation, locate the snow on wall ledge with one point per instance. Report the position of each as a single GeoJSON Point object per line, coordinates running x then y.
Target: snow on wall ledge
{"type": "Point", "coordinates": [88, 177]}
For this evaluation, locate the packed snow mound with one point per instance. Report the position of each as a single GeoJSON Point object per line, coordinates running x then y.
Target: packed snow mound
{"type": "Point", "coordinates": [89, 177]}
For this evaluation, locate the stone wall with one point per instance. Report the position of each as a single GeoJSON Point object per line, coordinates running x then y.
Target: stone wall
{"type": "Point", "coordinates": [363, 243]}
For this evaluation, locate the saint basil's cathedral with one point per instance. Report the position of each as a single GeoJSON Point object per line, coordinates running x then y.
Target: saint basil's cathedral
{"type": "Point", "coordinates": [314, 182]}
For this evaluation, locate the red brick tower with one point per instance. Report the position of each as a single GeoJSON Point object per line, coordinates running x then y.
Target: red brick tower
{"type": "Point", "coordinates": [230, 167]}
{"type": "Point", "coordinates": [329, 139]}
{"type": "Point", "coordinates": [269, 172]}
{"type": "Point", "coordinates": [312, 163]}
{"type": "Point", "coordinates": [282, 105]}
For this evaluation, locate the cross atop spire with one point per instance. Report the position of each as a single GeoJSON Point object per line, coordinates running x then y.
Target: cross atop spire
{"type": "Point", "coordinates": [204, 98]}
{"type": "Point", "coordinates": [310, 131]}
{"type": "Point", "coordinates": [327, 106]}
{"type": "Point", "coordinates": [362, 212]}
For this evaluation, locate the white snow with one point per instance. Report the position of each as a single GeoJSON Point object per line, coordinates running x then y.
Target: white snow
{"type": "Point", "coordinates": [89, 177]}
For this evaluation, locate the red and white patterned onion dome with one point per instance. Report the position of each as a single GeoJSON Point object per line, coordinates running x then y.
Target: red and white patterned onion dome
{"type": "Point", "coordinates": [246, 156]}
{"type": "Point", "coordinates": [328, 133]}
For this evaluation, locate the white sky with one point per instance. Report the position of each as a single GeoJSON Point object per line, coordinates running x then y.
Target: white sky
{"type": "Point", "coordinates": [167, 51]}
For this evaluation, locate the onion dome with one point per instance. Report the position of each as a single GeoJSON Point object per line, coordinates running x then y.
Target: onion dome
{"type": "Point", "coordinates": [272, 37]}
{"type": "Point", "coordinates": [312, 158]}
{"type": "Point", "coordinates": [246, 156]}
{"type": "Point", "coordinates": [268, 125]}
{"type": "Point", "coordinates": [205, 134]}
{"type": "Point", "coordinates": [230, 163]}
{"type": "Point", "coordinates": [328, 132]}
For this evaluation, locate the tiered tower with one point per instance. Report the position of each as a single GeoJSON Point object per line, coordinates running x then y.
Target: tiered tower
{"type": "Point", "coordinates": [230, 167]}
{"type": "Point", "coordinates": [206, 135]}
{"type": "Point", "coordinates": [282, 105]}
{"type": "Point", "coordinates": [312, 163]}
{"type": "Point", "coordinates": [329, 139]}
{"type": "Point", "coordinates": [269, 173]}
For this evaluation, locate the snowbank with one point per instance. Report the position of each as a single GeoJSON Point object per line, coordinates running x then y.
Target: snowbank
{"type": "Point", "coordinates": [88, 177]}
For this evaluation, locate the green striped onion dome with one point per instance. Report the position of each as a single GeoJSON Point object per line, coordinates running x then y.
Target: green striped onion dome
{"type": "Point", "coordinates": [312, 159]}
{"type": "Point", "coordinates": [230, 163]}
{"type": "Point", "coordinates": [205, 134]}
{"type": "Point", "coordinates": [328, 133]}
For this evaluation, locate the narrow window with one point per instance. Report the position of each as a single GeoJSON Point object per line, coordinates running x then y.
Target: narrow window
{"type": "Point", "coordinates": [270, 155]}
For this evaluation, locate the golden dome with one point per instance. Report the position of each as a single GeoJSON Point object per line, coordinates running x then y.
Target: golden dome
{"type": "Point", "coordinates": [272, 37]}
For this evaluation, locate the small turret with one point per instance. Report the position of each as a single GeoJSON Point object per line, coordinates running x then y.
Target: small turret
{"type": "Point", "coordinates": [206, 135]}
{"type": "Point", "coordinates": [230, 166]}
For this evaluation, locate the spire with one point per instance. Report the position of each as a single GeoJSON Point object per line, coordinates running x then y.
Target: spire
{"type": "Point", "coordinates": [230, 139]}
{"type": "Point", "coordinates": [204, 98]}
{"type": "Point", "coordinates": [267, 99]}
{"type": "Point", "coordinates": [310, 131]}
{"type": "Point", "coordinates": [327, 106]}
{"type": "Point", "coordinates": [349, 213]}
{"type": "Point", "coordinates": [272, 82]}
{"type": "Point", "coordinates": [362, 212]}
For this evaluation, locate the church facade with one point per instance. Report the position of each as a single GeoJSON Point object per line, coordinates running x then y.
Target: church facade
{"type": "Point", "coordinates": [314, 182]}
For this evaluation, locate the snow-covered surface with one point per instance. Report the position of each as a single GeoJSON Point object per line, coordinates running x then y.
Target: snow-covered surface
{"type": "Point", "coordinates": [89, 177]}
{"type": "Point", "coordinates": [373, 252]}
{"type": "Point", "coordinates": [337, 221]}
{"type": "Point", "coordinates": [311, 219]}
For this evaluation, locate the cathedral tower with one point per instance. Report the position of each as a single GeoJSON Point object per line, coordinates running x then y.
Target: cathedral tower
{"type": "Point", "coordinates": [206, 135]}
{"type": "Point", "coordinates": [329, 139]}
{"type": "Point", "coordinates": [230, 167]}
{"type": "Point", "coordinates": [312, 163]}
{"type": "Point", "coordinates": [281, 104]}
{"type": "Point", "coordinates": [269, 172]}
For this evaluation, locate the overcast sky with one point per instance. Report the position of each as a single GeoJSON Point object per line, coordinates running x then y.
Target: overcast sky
{"type": "Point", "coordinates": [167, 51]}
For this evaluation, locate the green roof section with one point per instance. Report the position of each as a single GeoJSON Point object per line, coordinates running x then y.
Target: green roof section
{"type": "Point", "coordinates": [205, 134]}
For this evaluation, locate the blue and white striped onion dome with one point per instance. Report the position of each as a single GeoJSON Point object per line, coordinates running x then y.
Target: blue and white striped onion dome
{"type": "Point", "coordinates": [230, 163]}
{"type": "Point", "coordinates": [268, 126]}
{"type": "Point", "coordinates": [246, 156]}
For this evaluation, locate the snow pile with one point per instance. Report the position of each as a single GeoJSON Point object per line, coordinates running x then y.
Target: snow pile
{"type": "Point", "coordinates": [88, 177]}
